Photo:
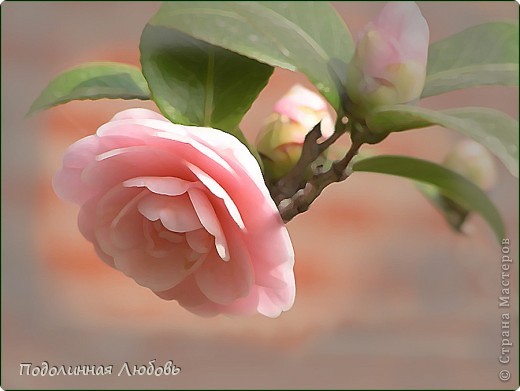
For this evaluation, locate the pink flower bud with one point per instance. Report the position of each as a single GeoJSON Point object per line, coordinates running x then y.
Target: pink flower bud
{"type": "Point", "coordinates": [281, 140]}
{"type": "Point", "coordinates": [389, 65]}
{"type": "Point", "coordinates": [473, 161]}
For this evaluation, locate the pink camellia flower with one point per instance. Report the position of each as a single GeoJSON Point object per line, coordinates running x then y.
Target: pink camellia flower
{"type": "Point", "coordinates": [389, 65]}
{"type": "Point", "coordinates": [281, 140]}
{"type": "Point", "coordinates": [182, 210]}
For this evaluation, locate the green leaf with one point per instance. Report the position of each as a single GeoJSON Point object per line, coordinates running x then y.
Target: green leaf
{"type": "Point", "coordinates": [485, 54]}
{"type": "Point", "coordinates": [196, 83]}
{"type": "Point", "coordinates": [493, 129]}
{"type": "Point", "coordinates": [449, 183]}
{"type": "Point", "coordinates": [454, 214]}
{"type": "Point", "coordinates": [93, 80]}
{"type": "Point", "coordinates": [308, 36]}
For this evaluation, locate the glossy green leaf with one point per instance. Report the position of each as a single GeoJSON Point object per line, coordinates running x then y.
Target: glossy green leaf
{"type": "Point", "coordinates": [303, 36]}
{"type": "Point", "coordinates": [493, 129]}
{"type": "Point", "coordinates": [485, 54]}
{"type": "Point", "coordinates": [449, 183]}
{"type": "Point", "coordinates": [94, 80]}
{"type": "Point", "coordinates": [196, 83]}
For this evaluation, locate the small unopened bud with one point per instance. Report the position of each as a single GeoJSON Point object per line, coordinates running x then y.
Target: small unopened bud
{"type": "Point", "coordinates": [473, 161]}
{"type": "Point", "coordinates": [281, 140]}
{"type": "Point", "coordinates": [389, 65]}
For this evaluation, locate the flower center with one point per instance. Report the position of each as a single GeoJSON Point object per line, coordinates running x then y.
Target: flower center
{"type": "Point", "coordinates": [190, 247]}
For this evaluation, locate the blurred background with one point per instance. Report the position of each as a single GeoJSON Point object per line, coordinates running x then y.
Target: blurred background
{"type": "Point", "coordinates": [387, 295]}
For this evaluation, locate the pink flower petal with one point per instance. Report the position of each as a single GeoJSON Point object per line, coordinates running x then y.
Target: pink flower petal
{"type": "Point", "coordinates": [272, 258]}
{"type": "Point", "coordinates": [297, 98]}
{"type": "Point", "coordinates": [199, 240]}
{"type": "Point", "coordinates": [137, 113]}
{"type": "Point", "coordinates": [133, 162]}
{"type": "Point", "coordinates": [126, 229]}
{"type": "Point", "coordinates": [161, 130]}
{"type": "Point", "coordinates": [403, 21]}
{"type": "Point", "coordinates": [109, 209]}
{"type": "Point", "coordinates": [151, 272]}
{"type": "Point", "coordinates": [67, 184]}
{"type": "Point", "coordinates": [187, 293]}
{"type": "Point", "coordinates": [176, 213]}
{"type": "Point", "coordinates": [230, 149]}
{"type": "Point", "coordinates": [218, 191]}
{"type": "Point", "coordinates": [161, 185]}
{"type": "Point", "coordinates": [224, 282]}
{"type": "Point", "coordinates": [209, 220]}
{"type": "Point", "coordinates": [79, 154]}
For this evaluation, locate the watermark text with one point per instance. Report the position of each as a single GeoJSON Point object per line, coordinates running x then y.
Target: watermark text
{"type": "Point", "coordinates": [150, 369]}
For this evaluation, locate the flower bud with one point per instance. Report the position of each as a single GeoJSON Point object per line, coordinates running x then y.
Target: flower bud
{"type": "Point", "coordinates": [281, 140]}
{"type": "Point", "coordinates": [389, 65]}
{"type": "Point", "coordinates": [473, 161]}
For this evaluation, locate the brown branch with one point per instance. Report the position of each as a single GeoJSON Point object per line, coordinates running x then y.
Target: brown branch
{"type": "Point", "coordinates": [311, 150]}
{"type": "Point", "coordinates": [301, 200]}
